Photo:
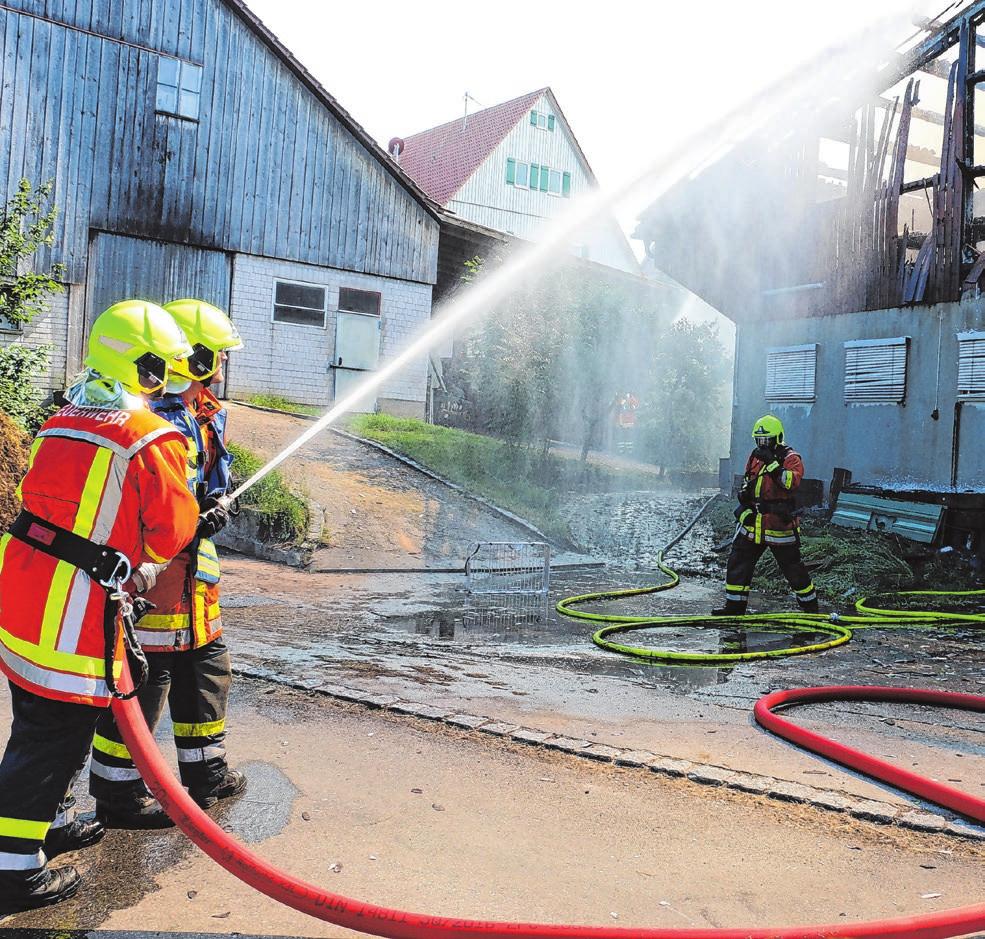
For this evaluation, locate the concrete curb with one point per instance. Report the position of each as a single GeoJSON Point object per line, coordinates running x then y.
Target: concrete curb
{"type": "Point", "coordinates": [880, 813]}
{"type": "Point", "coordinates": [414, 465]}
{"type": "Point", "coordinates": [240, 535]}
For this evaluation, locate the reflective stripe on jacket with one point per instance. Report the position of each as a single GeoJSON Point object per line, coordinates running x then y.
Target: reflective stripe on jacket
{"type": "Point", "coordinates": [777, 523]}
{"type": "Point", "coordinates": [187, 608]}
{"type": "Point", "coordinates": [115, 477]}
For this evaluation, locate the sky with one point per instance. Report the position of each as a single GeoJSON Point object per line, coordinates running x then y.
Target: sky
{"type": "Point", "coordinates": [628, 75]}
{"type": "Point", "coordinates": [631, 77]}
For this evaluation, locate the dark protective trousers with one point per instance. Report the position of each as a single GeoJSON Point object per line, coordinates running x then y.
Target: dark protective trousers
{"type": "Point", "coordinates": [195, 685]}
{"type": "Point", "coordinates": [742, 565]}
{"type": "Point", "coordinates": [48, 746]}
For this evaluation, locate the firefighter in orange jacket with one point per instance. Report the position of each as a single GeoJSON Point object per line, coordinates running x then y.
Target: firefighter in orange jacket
{"type": "Point", "coordinates": [767, 519]}
{"type": "Point", "coordinates": [105, 495]}
{"type": "Point", "coordinates": [190, 669]}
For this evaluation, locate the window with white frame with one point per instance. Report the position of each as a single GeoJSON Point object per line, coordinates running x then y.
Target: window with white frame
{"type": "Point", "coordinates": [875, 370]}
{"type": "Point", "coordinates": [971, 366]}
{"type": "Point", "coordinates": [534, 176]}
{"type": "Point", "coordinates": [791, 373]}
{"type": "Point", "coordinates": [299, 304]}
{"type": "Point", "coordinates": [542, 121]}
{"type": "Point", "coordinates": [179, 88]}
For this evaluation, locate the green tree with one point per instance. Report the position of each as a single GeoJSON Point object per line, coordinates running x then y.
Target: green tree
{"type": "Point", "coordinates": [685, 422]}
{"type": "Point", "coordinates": [26, 225]}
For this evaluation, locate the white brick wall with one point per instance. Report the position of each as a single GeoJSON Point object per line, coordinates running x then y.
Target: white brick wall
{"type": "Point", "coordinates": [50, 328]}
{"type": "Point", "coordinates": [294, 361]}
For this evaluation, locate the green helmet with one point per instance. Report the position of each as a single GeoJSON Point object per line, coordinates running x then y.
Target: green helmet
{"type": "Point", "coordinates": [134, 342]}
{"type": "Point", "coordinates": [767, 431]}
{"type": "Point", "coordinates": [209, 331]}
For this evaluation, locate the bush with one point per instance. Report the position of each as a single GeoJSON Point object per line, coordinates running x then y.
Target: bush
{"type": "Point", "coordinates": [20, 398]}
{"type": "Point", "coordinates": [283, 516]}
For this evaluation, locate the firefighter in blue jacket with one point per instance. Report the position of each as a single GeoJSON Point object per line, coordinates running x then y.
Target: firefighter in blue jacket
{"type": "Point", "coordinates": [182, 636]}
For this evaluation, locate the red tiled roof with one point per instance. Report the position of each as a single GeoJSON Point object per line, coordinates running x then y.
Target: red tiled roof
{"type": "Point", "coordinates": [441, 159]}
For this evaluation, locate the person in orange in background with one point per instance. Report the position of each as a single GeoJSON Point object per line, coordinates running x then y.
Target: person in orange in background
{"type": "Point", "coordinates": [189, 664]}
{"type": "Point", "coordinates": [625, 406]}
{"type": "Point", "coordinates": [105, 496]}
{"type": "Point", "coordinates": [767, 519]}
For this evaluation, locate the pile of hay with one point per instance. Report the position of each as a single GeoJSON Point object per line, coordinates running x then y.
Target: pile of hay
{"type": "Point", "coordinates": [14, 449]}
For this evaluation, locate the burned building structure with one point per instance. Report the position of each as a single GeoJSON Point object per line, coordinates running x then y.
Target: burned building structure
{"type": "Point", "coordinates": [850, 254]}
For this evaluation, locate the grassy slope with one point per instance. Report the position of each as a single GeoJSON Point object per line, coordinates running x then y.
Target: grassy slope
{"type": "Point", "coordinates": [483, 465]}
{"type": "Point", "coordinates": [283, 516]}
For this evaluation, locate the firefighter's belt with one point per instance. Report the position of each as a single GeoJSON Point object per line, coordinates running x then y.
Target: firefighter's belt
{"type": "Point", "coordinates": [110, 569]}
{"type": "Point", "coordinates": [107, 566]}
{"type": "Point", "coordinates": [774, 506]}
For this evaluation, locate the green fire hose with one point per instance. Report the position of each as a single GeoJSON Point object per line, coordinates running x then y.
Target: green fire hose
{"type": "Point", "coordinates": [838, 629]}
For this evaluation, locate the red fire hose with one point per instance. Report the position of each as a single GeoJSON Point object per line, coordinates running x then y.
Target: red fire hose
{"type": "Point", "coordinates": [380, 921]}
{"type": "Point", "coordinates": [961, 802]}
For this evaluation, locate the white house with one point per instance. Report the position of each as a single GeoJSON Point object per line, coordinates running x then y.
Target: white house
{"type": "Point", "coordinates": [512, 168]}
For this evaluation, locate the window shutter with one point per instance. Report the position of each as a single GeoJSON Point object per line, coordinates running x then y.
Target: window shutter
{"type": "Point", "coordinates": [533, 118]}
{"type": "Point", "coordinates": [875, 371]}
{"type": "Point", "coordinates": [545, 178]}
{"type": "Point", "coordinates": [566, 185]}
{"type": "Point", "coordinates": [790, 373]}
{"type": "Point", "coordinates": [510, 170]}
{"type": "Point", "coordinates": [971, 366]}
{"type": "Point", "coordinates": [550, 122]}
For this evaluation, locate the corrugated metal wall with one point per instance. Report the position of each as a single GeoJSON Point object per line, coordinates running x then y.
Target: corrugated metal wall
{"type": "Point", "coordinates": [267, 170]}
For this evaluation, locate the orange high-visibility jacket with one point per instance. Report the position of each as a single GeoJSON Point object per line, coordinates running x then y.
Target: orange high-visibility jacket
{"type": "Point", "coordinates": [115, 477]}
{"type": "Point", "coordinates": [186, 612]}
{"type": "Point", "coordinates": [773, 520]}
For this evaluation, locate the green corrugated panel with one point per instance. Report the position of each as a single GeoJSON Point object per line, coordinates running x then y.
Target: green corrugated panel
{"type": "Point", "coordinates": [918, 521]}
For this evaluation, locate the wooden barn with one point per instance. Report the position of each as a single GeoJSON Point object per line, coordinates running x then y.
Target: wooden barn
{"type": "Point", "coordinates": [192, 154]}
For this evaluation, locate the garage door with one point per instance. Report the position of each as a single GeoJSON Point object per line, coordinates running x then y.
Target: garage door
{"type": "Point", "coordinates": [121, 267]}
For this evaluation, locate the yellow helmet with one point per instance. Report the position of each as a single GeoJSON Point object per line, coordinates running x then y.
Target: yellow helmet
{"type": "Point", "coordinates": [767, 431]}
{"type": "Point", "coordinates": [134, 342]}
{"type": "Point", "coordinates": [209, 331]}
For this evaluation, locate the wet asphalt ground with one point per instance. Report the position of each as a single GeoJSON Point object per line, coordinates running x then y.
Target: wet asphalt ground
{"type": "Point", "coordinates": [390, 809]}
{"type": "Point", "coordinates": [424, 638]}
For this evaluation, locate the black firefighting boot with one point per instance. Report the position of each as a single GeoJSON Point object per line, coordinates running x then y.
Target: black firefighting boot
{"type": "Point", "coordinates": [81, 833]}
{"type": "Point", "coordinates": [31, 890]}
{"type": "Point", "coordinates": [136, 813]}
{"type": "Point", "coordinates": [232, 783]}
{"type": "Point", "coordinates": [731, 608]}
{"type": "Point", "coordinates": [810, 607]}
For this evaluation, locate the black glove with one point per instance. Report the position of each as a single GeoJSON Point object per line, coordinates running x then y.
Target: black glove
{"type": "Point", "coordinates": [211, 521]}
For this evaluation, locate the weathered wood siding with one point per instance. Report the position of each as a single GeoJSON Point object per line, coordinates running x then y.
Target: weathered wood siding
{"type": "Point", "coordinates": [153, 270]}
{"type": "Point", "coordinates": [267, 169]}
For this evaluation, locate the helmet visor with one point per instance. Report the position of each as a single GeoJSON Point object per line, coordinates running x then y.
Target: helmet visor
{"type": "Point", "coordinates": [764, 440]}
{"type": "Point", "coordinates": [152, 372]}
{"type": "Point", "coordinates": [202, 362]}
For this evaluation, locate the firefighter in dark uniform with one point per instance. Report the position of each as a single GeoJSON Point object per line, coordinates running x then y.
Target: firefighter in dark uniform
{"type": "Point", "coordinates": [767, 519]}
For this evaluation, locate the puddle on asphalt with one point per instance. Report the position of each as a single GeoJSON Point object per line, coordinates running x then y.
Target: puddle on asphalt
{"type": "Point", "coordinates": [264, 810]}
{"type": "Point", "coordinates": [528, 629]}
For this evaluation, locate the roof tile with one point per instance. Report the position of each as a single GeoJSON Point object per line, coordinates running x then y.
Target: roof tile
{"type": "Point", "coordinates": [441, 159]}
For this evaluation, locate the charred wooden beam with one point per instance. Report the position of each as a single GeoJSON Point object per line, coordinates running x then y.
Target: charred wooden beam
{"type": "Point", "coordinates": [918, 184]}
